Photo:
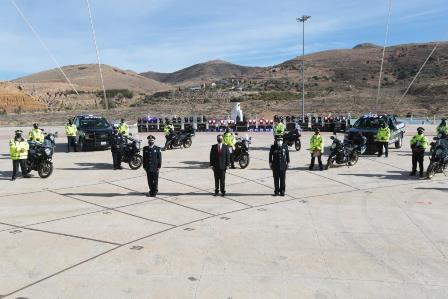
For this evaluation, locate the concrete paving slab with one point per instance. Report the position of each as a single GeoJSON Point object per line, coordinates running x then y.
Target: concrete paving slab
{"type": "Point", "coordinates": [109, 226]}
{"type": "Point", "coordinates": [30, 256]}
{"type": "Point", "coordinates": [165, 211]}
{"type": "Point", "coordinates": [45, 206]}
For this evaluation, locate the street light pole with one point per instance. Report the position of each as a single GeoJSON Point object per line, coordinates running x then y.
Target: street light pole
{"type": "Point", "coordinates": [302, 20]}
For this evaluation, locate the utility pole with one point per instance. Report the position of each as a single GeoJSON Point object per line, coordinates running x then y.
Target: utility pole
{"type": "Point", "coordinates": [302, 20]}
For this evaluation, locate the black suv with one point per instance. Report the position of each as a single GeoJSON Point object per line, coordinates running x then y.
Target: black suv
{"type": "Point", "coordinates": [369, 125]}
{"type": "Point", "coordinates": [94, 132]}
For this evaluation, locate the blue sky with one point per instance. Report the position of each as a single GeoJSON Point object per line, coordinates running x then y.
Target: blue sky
{"type": "Point", "coordinates": [167, 35]}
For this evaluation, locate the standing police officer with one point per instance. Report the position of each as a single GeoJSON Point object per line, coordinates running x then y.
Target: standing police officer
{"type": "Point", "coordinates": [229, 140]}
{"type": "Point", "coordinates": [317, 149]}
{"type": "Point", "coordinates": [382, 138]}
{"type": "Point", "coordinates": [152, 162]}
{"type": "Point", "coordinates": [116, 145]}
{"type": "Point", "coordinates": [123, 128]}
{"type": "Point", "coordinates": [419, 143]}
{"type": "Point", "coordinates": [18, 150]}
{"type": "Point", "coordinates": [70, 131]}
{"type": "Point", "coordinates": [168, 131]}
{"type": "Point", "coordinates": [279, 162]}
{"type": "Point", "coordinates": [36, 134]}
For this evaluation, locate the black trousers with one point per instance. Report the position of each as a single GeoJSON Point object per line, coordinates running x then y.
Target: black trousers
{"type": "Point", "coordinates": [116, 158]}
{"type": "Point", "coordinates": [153, 182]}
{"type": "Point", "coordinates": [15, 167]}
{"type": "Point", "coordinates": [319, 160]}
{"type": "Point", "coordinates": [279, 180]}
{"type": "Point", "coordinates": [417, 158]}
{"type": "Point", "coordinates": [232, 158]}
{"type": "Point", "coordinates": [71, 143]}
{"type": "Point", "coordinates": [220, 180]}
{"type": "Point", "coordinates": [382, 145]}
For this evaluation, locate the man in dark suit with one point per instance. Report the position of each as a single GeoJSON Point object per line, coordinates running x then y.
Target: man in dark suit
{"type": "Point", "coordinates": [279, 162]}
{"type": "Point", "coordinates": [219, 162]}
{"type": "Point", "coordinates": [152, 162]}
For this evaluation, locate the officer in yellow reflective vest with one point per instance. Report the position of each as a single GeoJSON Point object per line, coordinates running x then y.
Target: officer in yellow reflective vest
{"type": "Point", "coordinates": [70, 131]}
{"type": "Point", "coordinates": [18, 151]}
{"type": "Point", "coordinates": [168, 131]}
{"type": "Point", "coordinates": [317, 149]}
{"type": "Point", "coordinates": [382, 139]}
{"type": "Point", "coordinates": [123, 128]}
{"type": "Point", "coordinates": [229, 140]}
{"type": "Point", "coordinates": [279, 128]}
{"type": "Point", "coordinates": [419, 143]}
{"type": "Point", "coordinates": [36, 134]}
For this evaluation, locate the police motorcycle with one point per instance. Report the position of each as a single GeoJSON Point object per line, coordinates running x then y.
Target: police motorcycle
{"type": "Point", "coordinates": [438, 156]}
{"type": "Point", "coordinates": [181, 139]}
{"type": "Point", "coordinates": [241, 152]}
{"type": "Point", "coordinates": [40, 156]}
{"type": "Point", "coordinates": [292, 138]}
{"type": "Point", "coordinates": [342, 153]}
{"type": "Point", "coordinates": [130, 152]}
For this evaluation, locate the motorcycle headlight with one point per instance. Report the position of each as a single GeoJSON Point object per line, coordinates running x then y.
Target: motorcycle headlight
{"type": "Point", "coordinates": [47, 152]}
{"type": "Point", "coordinates": [439, 152]}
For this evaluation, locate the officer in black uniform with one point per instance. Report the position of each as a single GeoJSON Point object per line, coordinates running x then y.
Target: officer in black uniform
{"type": "Point", "coordinates": [279, 162]}
{"type": "Point", "coordinates": [116, 146]}
{"type": "Point", "coordinates": [152, 162]}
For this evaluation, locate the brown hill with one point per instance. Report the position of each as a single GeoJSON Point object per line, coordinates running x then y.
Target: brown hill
{"type": "Point", "coordinates": [13, 99]}
{"type": "Point", "coordinates": [204, 73]}
{"type": "Point", "coordinates": [86, 77]}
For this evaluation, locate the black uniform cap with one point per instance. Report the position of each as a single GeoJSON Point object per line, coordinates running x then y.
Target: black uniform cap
{"type": "Point", "coordinates": [19, 132]}
{"type": "Point", "coordinates": [151, 137]}
{"type": "Point", "coordinates": [420, 129]}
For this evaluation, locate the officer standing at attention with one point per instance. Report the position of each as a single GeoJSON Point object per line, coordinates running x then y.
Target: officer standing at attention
{"type": "Point", "coordinates": [152, 162]}
{"type": "Point", "coordinates": [168, 131]}
{"type": "Point", "coordinates": [317, 149]}
{"type": "Point", "coordinates": [382, 138]}
{"type": "Point", "coordinates": [70, 131]}
{"type": "Point", "coordinates": [229, 140]}
{"type": "Point", "coordinates": [219, 161]}
{"type": "Point", "coordinates": [419, 143]}
{"type": "Point", "coordinates": [123, 128]}
{"type": "Point", "coordinates": [279, 127]}
{"type": "Point", "coordinates": [116, 144]}
{"type": "Point", "coordinates": [279, 163]}
{"type": "Point", "coordinates": [36, 134]}
{"type": "Point", "coordinates": [18, 150]}
{"type": "Point", "coordinates": [442, 128]}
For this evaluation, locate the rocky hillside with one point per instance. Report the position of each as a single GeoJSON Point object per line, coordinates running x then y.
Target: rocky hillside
{"type": "Point", "coordinates": [13, 99]}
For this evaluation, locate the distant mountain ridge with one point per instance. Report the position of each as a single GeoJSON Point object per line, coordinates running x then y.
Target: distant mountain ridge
{"type": "Point", "coordinates": [204, 72]}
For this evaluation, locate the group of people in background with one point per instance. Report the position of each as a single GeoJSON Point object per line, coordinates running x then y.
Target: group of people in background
{"type": "Point", "coordinates": [221, 153]}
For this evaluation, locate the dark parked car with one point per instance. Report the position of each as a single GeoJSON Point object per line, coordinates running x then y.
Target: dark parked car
{"type": "Point", "coordinates": [369, 124]}
{"type": "Point", "coordinates": [94, 132]}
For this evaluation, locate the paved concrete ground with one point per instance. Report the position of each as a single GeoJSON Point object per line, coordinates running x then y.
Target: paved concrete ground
{"type": "Point", "coordinates": [369, 231]}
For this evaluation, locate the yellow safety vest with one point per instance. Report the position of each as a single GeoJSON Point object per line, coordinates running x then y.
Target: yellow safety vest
{"type": "Point", "coordinates": [70, 130]}
{"type": "Point", "coordinates": [383, 135]}
{"type": "Point", "coordinates": [229, 140]}
{"type": "Point", "coordinates": [36, 135]}
{"type": "Point", "coordinates": [123, 129]}
{"type": "Point", "coordinates": [18, 150]}
{"type": "Point", "coordinates": [421, 139]}
{"type": "Point", "coordinates": [317, 143]}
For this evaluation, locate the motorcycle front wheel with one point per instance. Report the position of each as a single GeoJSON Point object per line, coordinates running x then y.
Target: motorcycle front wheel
{"type": "Point", "coordinates": [431, 171]}
{"type": "Point", "coordinates": [353, 158]}
{"type": "Point", "coordinates": [136, 162]}
{"type": "Point", "coordinates": [298, 145]}
{"type": "Point", "coordinates": [187, 143]}
{"type": "Point", "coordinates": [244, 160]}
{"type": "Point", "coordinates": [45, 169]}
{"type": "Point", "coordinates": [329, 163]}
